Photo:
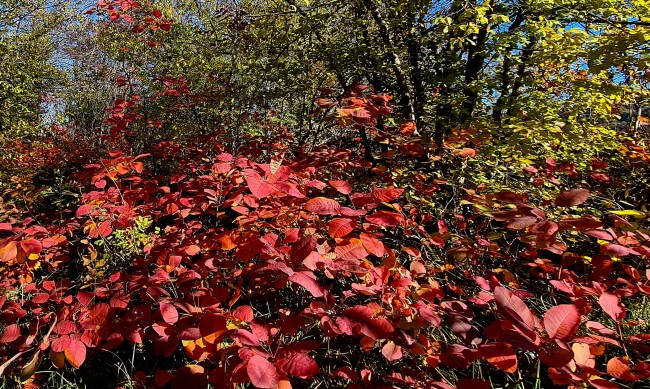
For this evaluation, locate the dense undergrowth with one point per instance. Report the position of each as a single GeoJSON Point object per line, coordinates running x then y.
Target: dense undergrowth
{"type": "Point", "coordinates": [316, 268]}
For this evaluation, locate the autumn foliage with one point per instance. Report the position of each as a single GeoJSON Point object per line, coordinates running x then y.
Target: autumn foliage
{"type": "Point", "coordinates": [365, 262]}
{"type": "Point", "coordinates": [274, 273]}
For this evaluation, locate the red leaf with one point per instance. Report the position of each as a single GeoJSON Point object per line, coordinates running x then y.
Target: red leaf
{"type": "Point", "coordinates": [40, 298]}
{"type": "Point", "coordinates": [11, 333]}
{"type": "Point", "coordinates": [412, 149]}
{"type": "Point", "coordinates": [313, 259]}
{"type": "Point", "coordinates": [302, 346]}
{"type": "Point", "coordinates": [562, 321]}
{"type": "Point", "coordinates": [83, 210]}
{"type": "Point", "coordinates": [65, 327]}
{"type": "Point", "coordinates": [615, 250]}
{"type": "Point", "coordinates": [323, 206]}
{"type": "Point", "coordinates": [509, 197]}
{"type": "Point", "coordinates": [386, 218]}
{"type": "Point", "coordinates": [76, 353]}
{"type": "Point", "coordinates": [245, 337]}
{"type": "Point", "coordinates": [299, 365]}
{"type": "Point", "coordinates": [119, 301]}
{"type": "Point", "coordinates": [372, 244]}
{"type": "Point", "coordinates": [555, 357]}
{"type": "Point", "coordinates": [572, 197]}
{"type": "Point", "coordinates": [325, 103]}
{"type": "Point", "coordinates": [105, 228]}
{"type": "Point", "coordinates": [192, 249]}
{"type": "Point", "coordinates": [244, 313]}
{"type": "Point", "coordinates": [258, 187]}
{"type": "Point", "coordinates": [384, 195]}
{"type": "Point", "coordinates": [600, 328]}
{"type": "Point", "coordinates": [157, 13]}
{"type": "Point", "coordinates": [545, 228]}
{"type": "Point", "coordinates": [458, 356]}
{"type": "Point", "coordinates": [519, 222]}
{"type": "Point", "coordinates": [190, 376]}
{"type": "Point", "coordinates": [349, 212]}
{"type": "Point", "coordinates": [212, 326]}
{"type": "Point", "coordinates": [306, 280]}
{"type": "Point", "coordinates": [61, 343]}
{"type": "Point", "coordinates": [429, 315]}
{"type": "Point", "coordinates": [612, 306]}
{"type": "Point", "coordinates": [593, 339]}
{"type": "Point", "coordinates": [340, 227]}
{"type": "Point", "coordinates": [357, 88]}
{"type": "Point", "coordinates": [342, 186]}
{"type": "Point", "coordinates": [500, 355]}
{"type": "Point", "coordinates": [582, 223]}
{"type": "Point", "coordinates": [168, 312]}
{"type": "Point", "coordinates": [391, 351]}
{"type": "Point", "coordinates": [482, 282]}
{"type": "Point", "coordinates": [261, 372]}
{"type": "Point", "coordinates": [97, 314]}
{"type": "Point", "coordinates": [361, 316]}
{"type": "Point", "coordinates": [506, 331]}
{"type": "Point", "coordinates": [514, 308]}
{"type": "Point", "coordinates": [161, 378]}
{"type": "Point", "coordinates": [602, 383]}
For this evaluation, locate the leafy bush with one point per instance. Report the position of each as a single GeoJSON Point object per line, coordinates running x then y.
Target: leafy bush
{"type": "Point", "coordinates": [275, 273]}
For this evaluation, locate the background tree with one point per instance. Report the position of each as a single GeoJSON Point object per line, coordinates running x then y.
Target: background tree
{"type": "Point", "coordinates": [29, 75]}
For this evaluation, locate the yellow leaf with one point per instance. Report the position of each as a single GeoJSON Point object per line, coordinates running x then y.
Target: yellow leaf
{"type": "Point", "coordinates": [630, 212]}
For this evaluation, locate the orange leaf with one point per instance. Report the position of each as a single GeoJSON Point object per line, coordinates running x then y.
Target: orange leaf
{"type": "Point", "coordinates": [76, 353]}
{"type": "Point", "coordinates": [227, 243]}
{"type": "Point", "coordinates": [464, 152]}
{"type": "Point", "coordinates": [8, 252]}
{"type": "Point", "coordinates": [500, 355]}
{"type": "Point", "coordinates": [192, 250]}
